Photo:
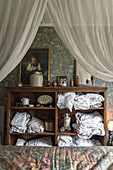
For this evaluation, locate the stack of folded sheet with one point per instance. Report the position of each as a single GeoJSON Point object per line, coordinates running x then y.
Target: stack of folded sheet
{"type": "Point", "coordinates": [79, 101]}
{"type": "Point", "coordinates": [84, 102]}
{"type": "Point", "coordinates": [88, 125]}
{"type": "Point", "coordinates": [19, 122]}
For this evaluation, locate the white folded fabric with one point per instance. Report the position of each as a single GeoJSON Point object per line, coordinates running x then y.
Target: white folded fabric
{"type": "Point", "coordinates": [66, 100]}
{"type": "Point", "coordinates": [20, 142]}
{"type": "Point", "coordinates": [19, 122]}
{"type": "Point", "coordinates": [64, 141]}
{"type": "Point", "coordinates": [88, 125]}
{"type": "Point", "coordinates": [45, 141]}
{"type": "Point", "coordinates": [84, 102]}
{"type": "Point", "coordinates": [88, 117]}
{"type": "Point", "coordinates": [35, 125]}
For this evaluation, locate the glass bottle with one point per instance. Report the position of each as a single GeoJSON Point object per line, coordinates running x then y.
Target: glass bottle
{"type": "Point", "coordinates": [77, 81]}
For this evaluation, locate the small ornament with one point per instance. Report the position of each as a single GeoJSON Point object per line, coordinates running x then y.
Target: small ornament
{"type": "Point", "coordinates": [54, 83]}
{"type": "Point", "coordinates": [92, 80]}
{"type": "Point", "coordinates": [48, 83]}
{"type": "Point", "coordinates": [62, 129]}
{"type": "Point", "coordinates": [19, 84]}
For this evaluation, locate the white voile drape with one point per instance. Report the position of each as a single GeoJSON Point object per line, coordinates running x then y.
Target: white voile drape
{"type": "Point", "coordinates": [19, 23]}
{"type": "Point", "coordinates": [86, 28]}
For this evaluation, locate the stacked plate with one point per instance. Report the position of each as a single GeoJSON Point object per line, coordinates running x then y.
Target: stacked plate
{"type": "Point", "coordinates": [45, 99]}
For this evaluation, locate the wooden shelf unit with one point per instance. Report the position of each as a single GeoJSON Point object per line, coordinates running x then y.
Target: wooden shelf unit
{"type": "Point", "coordinates": [44, 113]}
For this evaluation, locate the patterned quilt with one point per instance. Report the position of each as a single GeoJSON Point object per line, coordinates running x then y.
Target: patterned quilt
{"type": "Point", "coordinates": [55, 158]}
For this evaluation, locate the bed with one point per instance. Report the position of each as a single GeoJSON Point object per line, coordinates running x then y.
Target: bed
{"type": "Point", "coordinates": [56, 158]}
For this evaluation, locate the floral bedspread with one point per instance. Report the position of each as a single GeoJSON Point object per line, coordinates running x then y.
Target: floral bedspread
{"type": "Point", "coordinates": [55, 158]}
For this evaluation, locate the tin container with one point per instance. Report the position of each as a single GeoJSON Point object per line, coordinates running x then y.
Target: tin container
{"type": "Point", "coordinates": [49, 125]}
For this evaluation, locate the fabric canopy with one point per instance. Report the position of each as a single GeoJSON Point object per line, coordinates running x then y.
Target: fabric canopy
{"type": "Point", "coordinates": [19, 23]}
{"type": "Point", "coordinates": [86, 28]}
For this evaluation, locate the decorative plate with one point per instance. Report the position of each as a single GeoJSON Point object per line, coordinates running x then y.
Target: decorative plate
{"type": "Point", "coordinates": [45, 99]}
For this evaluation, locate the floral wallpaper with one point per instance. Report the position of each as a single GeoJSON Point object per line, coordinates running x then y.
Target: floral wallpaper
{"type": "Point", "coordinates": [61, 64]}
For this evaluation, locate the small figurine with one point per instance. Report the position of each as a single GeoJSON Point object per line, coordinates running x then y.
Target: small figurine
{"type": "Point", "coordinates": [48, 83]}
{"type": "Point", "coordinates": [92, 80]}
{"type": "Point", "coordinates": [54, 83]}
{"type": "Point", "coordinates": [62, 129]}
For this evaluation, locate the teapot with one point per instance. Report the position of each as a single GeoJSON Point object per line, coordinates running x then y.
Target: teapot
{"type": "Point", "coordinates": [25, 101]}
{"type": "Point", "coordinates": [36, 79]}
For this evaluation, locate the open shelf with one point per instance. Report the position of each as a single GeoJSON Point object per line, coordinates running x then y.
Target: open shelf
{"type": "Point", "coordinates": [67, 133]}
{"type": "Point", "coordinates": [31, 108]}
{"type": "Point", "coordinates": [46, 113]}
{"type": "Point", "coordinates": [43, 133]}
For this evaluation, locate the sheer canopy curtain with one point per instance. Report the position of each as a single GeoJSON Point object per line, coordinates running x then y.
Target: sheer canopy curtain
{"type": "Point", "coordinates": [86, 28]}
{"type": "Point", "coordinates": [19, 23]}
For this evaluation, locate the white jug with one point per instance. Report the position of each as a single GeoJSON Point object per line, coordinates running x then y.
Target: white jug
{"type": "Point", "coordinates": [25, 101]}
{"type": "Point", "coordinates": [36, 79]}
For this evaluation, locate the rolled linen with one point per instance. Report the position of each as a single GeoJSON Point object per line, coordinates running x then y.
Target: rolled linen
{"type": "Point", "coordinates": [64, 141]}
{"type": "Point", "coordinates": [35, 125]}
{"type": "Point", "coordinates": [45, 141]}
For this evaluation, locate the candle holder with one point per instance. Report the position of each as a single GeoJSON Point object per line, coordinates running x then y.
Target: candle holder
{"type": "Point", "coordinates": [110, 137]}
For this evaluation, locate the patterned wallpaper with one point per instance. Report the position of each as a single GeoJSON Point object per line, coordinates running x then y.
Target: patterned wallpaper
{"type": "Point", "coordinates": [61, 64]}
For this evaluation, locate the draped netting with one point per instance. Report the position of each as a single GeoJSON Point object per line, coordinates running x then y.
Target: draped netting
{"type": "Point", "coordinates": [86, 28]}
{"type": "Point", "coordinates": [19, 23]}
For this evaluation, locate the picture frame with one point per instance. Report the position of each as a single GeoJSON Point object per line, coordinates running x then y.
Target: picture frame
{"type": "Point", "coordinates": [62, 81]}
{"type": "Point", "coordinates": [36, 59]}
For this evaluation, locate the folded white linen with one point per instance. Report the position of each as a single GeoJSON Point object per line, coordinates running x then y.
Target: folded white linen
{"type": "Point", "coordinates": [45, 141]}
{"type": "Point", "coordinates": [84, 102]}
{"type": "Point", "coordinates": [66, 100]}
{"type": "Point", "coordinates": [18, 129]}
{"type": "Point", "coordinates": [20, 142]}
{"type": "Point", "coordinates": [35, 125]}
{"type": "Point", "coordinates": [19, 122]}
{"type": "Point", "coordinates": [81, 102]}
{"type": "Point", "coordinates": [95, 99]}
{"type": "Point", "coordinates": [64, 140]}
{"type": "Point", "coordinates": [88, 125]}
{"type": "Point", "coordinates": [88, 117]}
{"type": "Point", "coordinates": [20, 119]}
